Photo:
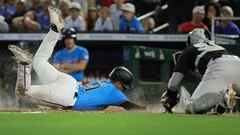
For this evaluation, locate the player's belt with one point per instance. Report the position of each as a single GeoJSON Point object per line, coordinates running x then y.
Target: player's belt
{"type": "Point", "coordinates": [217, 56]}
{"type": "Point", "coordinates": [75, 95]}
{"type": "Point", "coordinates": [70, 107]}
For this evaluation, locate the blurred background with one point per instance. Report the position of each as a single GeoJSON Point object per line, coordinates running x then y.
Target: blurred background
{"type": "Point", "coordinates": [139, 34]}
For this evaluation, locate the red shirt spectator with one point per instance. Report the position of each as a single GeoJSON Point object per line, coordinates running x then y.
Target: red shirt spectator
{"type": "Point", "coordinates": [107, 3]}
{"type": "Point", "coordinates": [189, 26]}
{"type": "Point", "coordinates": [198, 14]}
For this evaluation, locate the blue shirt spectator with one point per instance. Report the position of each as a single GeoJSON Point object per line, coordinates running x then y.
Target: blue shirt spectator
{"type": "Point", "coordinates": [133, 26]}
{"type": "Point", "coordinates": [227, 26]}
{"type": "Point", "coordinates": [230, 29]}
{"type": "Point", "coordinates": [73, 57]}
{"type": "Point", "coordinates": [129, 22]}
{"type": "Point", "coordinates": [44, 20]}
{"type": "Point", "coordinates": [2, 10]}
{"type": "Point", "coordinates": [38, 10]}
{"type": "Point", "coordinates": [12, 8]}
{"type": "Point", "coordinates": [43, 17]}
{"type": "Point", "coordinates": [7, 12]}
{"type": "Point", "coordinates": [36, 5]}
{"type": "Point", "coordinates": [98, 95]}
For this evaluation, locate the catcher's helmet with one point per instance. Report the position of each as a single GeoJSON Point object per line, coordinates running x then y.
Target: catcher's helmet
{"type": "Point", "coordinates": [198, 35]}
{"type": "Point", "coordinates": [122, 75]}
{"type": "Point", "coordinates": [69, 33]}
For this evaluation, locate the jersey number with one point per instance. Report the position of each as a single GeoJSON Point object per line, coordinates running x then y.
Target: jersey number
{"type": "Point", "coordinates": [91, 87]}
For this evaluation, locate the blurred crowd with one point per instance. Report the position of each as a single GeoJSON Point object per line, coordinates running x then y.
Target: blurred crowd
{"type": "Point", "coordinates": [120, 15]}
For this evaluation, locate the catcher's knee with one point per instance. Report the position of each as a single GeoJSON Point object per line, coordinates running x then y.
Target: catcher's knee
{"type": "Point", "coordinates": [189, 108]}
{"type": "Point", "coordinates": [203, 103]}
{"type": "Point", "coordinates": [193, 107]}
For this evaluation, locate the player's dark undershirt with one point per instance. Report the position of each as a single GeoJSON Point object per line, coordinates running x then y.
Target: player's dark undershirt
{"type": "Point", "coordinates": [187, 59]}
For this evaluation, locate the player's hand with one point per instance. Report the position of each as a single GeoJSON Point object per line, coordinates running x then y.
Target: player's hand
{"type": "Point", "coordinates": [111, 109]}
{"type": "Point", "coordinates": [169, 101]}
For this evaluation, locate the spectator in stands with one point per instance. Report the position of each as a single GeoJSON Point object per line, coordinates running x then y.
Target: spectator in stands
{"type": "Point", "coordinates": [64, 6]}
{"type": "Point", "coordinates": [84, 6]}
{"type": "Point", "coordinates": [21, 9]}
{"type": "Point", "coordinates": [129, 22]}
{"type": "Point", "coordinates": [148, 24]}
{"type": "Point", "coordinates": [227, 26]}
{"type": "Point", "coordinates": [212, 9]}
{"type": "Point", "coordinates": [106, 3]}
{"type": "Point", "coordinates": [179, 11]}
{"type": "Point", "coordinates": [73, 59]}
{"type": "Point", "coordinates": [36, 5]}
{"type": "Point", "coordinates": [27, 23]}
{"type": "Point", "coordinates": [75, 20]}
{"type": "Point", "coordinates": [92, 18]}
{"type": "Point", "coordinates": [234, 4]}
{"type": "Point", "coordinates": [104, 23]}
{"type": "Point", "coordinates": [2, 7]}
{"type": "Point", "coordinates": [198, 14]}
{"type": "Point", "coordinates": [3, 25]}
{"type": "Point", "coordinates": [9, 9]}
{"type": "Point", "coordinates": [149, 5]}
{"type": "Point", "coordinates": [116, 13]}
{"type": "Point", "coordinates": [92, 3]}
{"type": "Point", "coordinates": [43, 17]}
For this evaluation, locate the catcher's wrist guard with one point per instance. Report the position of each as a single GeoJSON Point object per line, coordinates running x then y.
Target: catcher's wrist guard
{"type": "Point", "coordinates": [172, 94]}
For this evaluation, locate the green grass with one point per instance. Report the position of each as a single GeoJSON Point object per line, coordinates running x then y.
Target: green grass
{"type": "Point", "coordinates": [73, 123]}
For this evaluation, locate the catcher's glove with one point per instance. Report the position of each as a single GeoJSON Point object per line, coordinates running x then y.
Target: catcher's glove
{"type": "Point", "coordinates": [169, 100]}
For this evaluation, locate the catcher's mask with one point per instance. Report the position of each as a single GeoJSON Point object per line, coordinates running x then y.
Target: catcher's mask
{"type": "Point", "coordinates": [198, 35]}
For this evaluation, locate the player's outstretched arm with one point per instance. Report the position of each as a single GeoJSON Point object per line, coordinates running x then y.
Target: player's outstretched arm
{"type": "Point", "coordinates": [131, 106]}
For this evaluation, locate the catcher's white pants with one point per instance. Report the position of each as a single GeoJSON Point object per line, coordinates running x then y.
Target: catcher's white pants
{"type": "Point", "coordinates": [220, 74]}
{"type": "Point", "coordinates": [57, 87]}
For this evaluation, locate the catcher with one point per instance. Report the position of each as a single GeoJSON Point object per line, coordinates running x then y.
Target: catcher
{"type": "Point", "coordinates": [220, 75]}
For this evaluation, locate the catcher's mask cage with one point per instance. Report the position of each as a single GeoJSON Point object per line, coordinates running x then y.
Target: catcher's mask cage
{"type": "Point", "coordinates": [198, 35]}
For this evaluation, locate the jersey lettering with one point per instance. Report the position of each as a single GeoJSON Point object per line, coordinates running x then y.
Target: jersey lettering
{"type": "Point", "coordinates": [208, 47]}
{"type": "Point", "coordinates": [204, 48]}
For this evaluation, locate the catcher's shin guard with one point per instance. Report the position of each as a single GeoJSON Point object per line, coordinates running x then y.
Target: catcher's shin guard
{"type": "Point", "coordinates": [23, 82]}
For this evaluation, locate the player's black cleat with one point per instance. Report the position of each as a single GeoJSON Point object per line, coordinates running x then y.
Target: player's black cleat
{"type": "Point", "coordinates": [220, 109]}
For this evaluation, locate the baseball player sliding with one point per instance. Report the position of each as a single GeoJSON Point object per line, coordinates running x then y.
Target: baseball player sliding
{"type": "Point", "coordinates": [220, 70]}
{"type": "Point", "coordinates": [61, 90]}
